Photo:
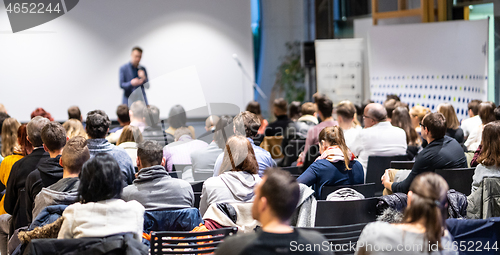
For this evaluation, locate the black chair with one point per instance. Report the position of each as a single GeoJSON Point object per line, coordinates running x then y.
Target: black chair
{"type": "Point", "coordinates": [402, 164]}
{"type": "Point", "coordinates": [376, 168]}
{"type": "Point", "coordinates": [164, 242]}
{"type": "Point", "coordinates": [311, 155]}
{"type": "Point", "coordinates": [339, 213]}
{"type": "Point", "coordinates": [294, 170]}
{"type": "Point", "coordinates": [197, 198]}
{"type": "Point", "coordinates": [367, 190]}
{"type": "Point", "coordinates": [292, 151]}
{"type": "Point", "coordinates": [459, 179]}
{"type": "Point", "coordinates": [197, 186]}
{"type": "Point", "coordinates": [176, 174]}
{"type": "Point", "coordinates": [341, 236]}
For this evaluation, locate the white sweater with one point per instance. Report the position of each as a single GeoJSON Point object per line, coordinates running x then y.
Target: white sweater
{"type": "Point", "coordinates": [102, 219]}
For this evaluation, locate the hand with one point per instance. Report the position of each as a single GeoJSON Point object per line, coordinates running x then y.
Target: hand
{"type": "Point", "coordinates": [386, 181]}
{"type": "Point", "coordinates": [141, 74]}
{"type": "Point", "coordinates": [136, 82]}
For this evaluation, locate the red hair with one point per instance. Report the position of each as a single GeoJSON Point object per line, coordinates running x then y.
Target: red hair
{"type": "Point", "coordinates": [41, 112]}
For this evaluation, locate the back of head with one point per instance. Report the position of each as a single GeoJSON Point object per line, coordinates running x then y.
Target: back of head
{"type": "Point", "coordinates": [74, 113]}
{"type": "Point", "coordinates": [152, 116]}
{"type": "Point", "coordinates": [177, 117]}
{"type": "Point", "coordinates": [224, 130]}
{"type": "Point", "coordinates": [436, 124]}
{"type": "Point", "coordinates": [22, 136]}
{"type": "Point", "coordinates": [182, 131]}
{"type": "Point", "coordinates": [428, 203]}
{"type": "Point", "coordinates": [9, 136]}
{"type": "Point", "coordinates": [490, 152]}
{"type": "Point", "coordinates": [474, 106]}
{"type": "Point", "coordinates": [247, 124]}
{"type": "Point", "coordinates": [150, 153]}
{"type": "Point", "coordinates": [130, 134]}
{"type": "Point", "coordinates": [3, 117]}
{"type": "Point", "coordinates": [401, 118]}
{"type": "Point", "coordinates": [100, 179]}
{"type": "Point", "coordinates": [390, 105]}
{"type": "Point", "coordinates": [308, 108]}
{"type": "Point", "coordinates": [325, 107]}
{"type": "Point", "coordinates": [137, 109]}
{"type": "Point", "coordinates": [393, 96]}
{"type": "Point", "coordinates": [239, 156]}
{"type": "Point", "coordinates": [75, 154]}
{"type": "Point", "coordinates": [281, 191]}
{"type": "Point", "coordinates": [211, 121]}
{"type": "Point", "coordinates": [294, 110]}
{"type": "Point", "coordinates": [122, 112]}
{"type": "Point", "coordinates": [317, 96]}
{"type": "Point", "coordinates": [34, 130]}
{"type": "Point", "coordinates": [377, 112]}
{"type": "Point", "coordinates": [486, 112]}
{"type": "Point", "coordinates": [346, 109]}
{"type": "Point", "coordinates": [97, 124]}
{"type": "Point", "coordinates": [53, 136]}
{"type": "Point", "coordinates": [496, 112]}
{"type": "Point", "coordinates": [419, 111]}
{"type": "Point", "coordinates": [280, 106]}
{"type": "Point", "coordinates": [74, 128]}
{"type": "Point", "coordinates": [335, 136]}
{"type": "Point", "coordinates": [41, 112]}
{"type": "Point", "coordinates": [449, 114]}
{"type": "Point", "coordinates": [254, 107]}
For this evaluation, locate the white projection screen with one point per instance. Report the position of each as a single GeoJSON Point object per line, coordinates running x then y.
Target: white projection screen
{"type": "Point", "coordinates": [430, 63]}
{"type": "Point", "coordinates": [75, 59]}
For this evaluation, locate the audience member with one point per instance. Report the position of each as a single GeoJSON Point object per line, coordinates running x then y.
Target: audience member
{"type": "Point", "coordinates": [9, 136]}
{"type": "Point", "coordinates": [65, 191]}
{"type": "Point", "coordinates": [278, 127]}
{"type": "Point", "coordinates": [128, 140]}
{"type": "Point", "coordinates": [489, 158]}
{"type": "Point", "coordinates": [390, 105]}
{"type": "Point", "coordinates": [3, 116]}
{"type": "Point", "coordinates": [254, 107]}
{"type": "Point", "coordinates": [97, 127]}
{"type": "Point", "coordinates": [153, 130]}
{"type": "Point", "coordinates": [496, 112]}
{"type": "Point", "coordinates": [453, 129]}
{"type": "Point", "coordinates": [237, 176]}
{"type": "Point", "coordinates": [210, 123]}
{"type": "Point", "coordinates": [417, 114]}
{"type": "Point", "coordinates": [401, 119]}
{"type": "Point", "coordinates": [423, 221]}
{"type": "Point", "coordinates": [276, 197]}
{"type": "Point", "coordinates": [74, 128]}
{"type": "Point", "coordinates": [487, 115]}
{"type": "Point", "coordinates": [379, 137]}
{"type": "Point", "coordinates": [468, 125]}
{"type": "Point", "coordinates": [100, 211]}
{"type": "Point", "coordinates": [393, 96]}
{"type": "Point", "coordinates": [324, 112]}
{"type": "Point", "coordinates": [177, 118]}
{"type": "Point", "coordinates": [246, 124]}
{"type": "Point", "coordinates": [179, 152]}
{"type": "Point", "coordinates": [75, 113]}
{"type": "Point", "coordinates": [346, 116]}
{"type": "Point", "coordinates": [203, 160]}
{"type": "Point", "coordinates": [294, 111]}
{"type": "Point", "coordinates": [15, 197]}
{"type": "Point", "coordinates": [17, 153]}
{"type": "Point", "coordinates": [49, 171]}
{"type": "Point", "coordinates": [299, 128]}
{"type": "Point", "coordinates": [335, 166]}
{"type": "Point", "coordinates": [137, 119]}
{"type": "Point", "coordinates": [123, 117]}
{"type": "Point", "coordinates": [153, 187]}
{"type": "Point", "coordinates": [41, 112]}
{"type": "Point", "coordinates": [442, 152]}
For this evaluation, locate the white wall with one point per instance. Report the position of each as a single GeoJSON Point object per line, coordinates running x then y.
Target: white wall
{"type": "Point", "coordinates": [74, 60]}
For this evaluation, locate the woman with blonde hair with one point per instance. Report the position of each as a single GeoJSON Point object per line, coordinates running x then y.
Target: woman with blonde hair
{"type": "Point", "coordinates": [335, 166]}
{"type": "Point", "coordinates": [453, 129]}
{"type": "Point", "coordinates": [417, 114]}
{"type": "Point", "coordinates": [9, 136]}
{"type": "Point", "coordinates": [128, 140]}
{"type": "Point", "coordinates": [74, 128]}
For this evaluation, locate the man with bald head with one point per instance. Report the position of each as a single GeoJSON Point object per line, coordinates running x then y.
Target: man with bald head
{"type": "Point", "coordinates": [379, 137]}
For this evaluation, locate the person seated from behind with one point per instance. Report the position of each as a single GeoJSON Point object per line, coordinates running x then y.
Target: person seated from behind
{"type": "Point", "coordinates": [203, 160]}
{"type": "Point", "coordinates": [75, 113]}
{"type": "Point", "coordinates": [137, 119]}
{"type": "Point", "coordinates": [123, 117]}
{"type": "Point", "coordinates": [401, 119]}
{"type": "Point", "coordinates": [276, 197]}
{"type": "Point", "coordinates": [254, 107]}
{"type": "Point", "coordinates": [346, 112]}
{"type": "Point", "coordinates": [390, 104]}
{"type": "Point", "coordinates": [294, 111]}
{"type": "Point", "coordinates": [474, 162]}
{"type": "Point", "coordinates": [153, 130]}
{"type": "Point", "coordinates": [237, 176]}
{"type": "Point", "coordinates": [97, 127]}
{"type": "Point", "coordinates": [64, 191]}
{"type": "Point", "coordinates": [179, 152]}
{"type": "Point", "coordinates": [74, 128]}
{"type": "Point", "coordinates": [417, 114]}
{"type": "Point", "coordinates": [468, 125]}
{"type": "Point", "coordinates": [128, 140]}
{"type": "Point", "coordinates": [210, 123]}
{"type": "Point", "coordinates": [442, 152]}
{"type": "Point", "coordinates": [177, 118]}
{"type": "Point", "coordinates": [489, 157]}
{"type": "Point", "coordinates": [100, 211]}
{"type": "Point", "coordinates": [487, 115]}
{"type": "Point", "coordinates": [153, 186]}
{"type": "Point", "coordinates": [278, 127]}
{"type": "Point", "coordinates": [41, 112]}
{"type": "Point", "coordinates": [335, 166]}
{"type": "Point", "coordinates": [49, 171]}
{"type": "Point", "coordinates": [299, 128]}
{"type": "Point", "coordinates": [423, 221]}
{"type": "Point", "coordinates": [453, 129]}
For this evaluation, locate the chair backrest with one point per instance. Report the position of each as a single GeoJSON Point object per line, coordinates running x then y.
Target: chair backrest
{"type": "Point", "coordinates": [342, 236]}
{"type": "Point", "coordinates": [376, 168]}
{"type": "Point", "coordinates": [202, 175]}
{"type": "Point", "coordinates": [339, 213]}
{"type": "Point", "coordinates": [170, 242]}
{"type": "Point", "coordinates": [197, 186]}
{"type": "Point", "coordinates": [197, 199]}
{"type": "Point", "coordinates": [367, 190]}
{"type": "Point", "coordinates": [272, 144]}
{"type": "Point", "coordinates": [459, 179]}
{"type": "Point", "coordinates": [402, 164]}
{"type": "Point", "coordinates": [294, 170]}
{"type": "Point", "coordinates": [292, 151]}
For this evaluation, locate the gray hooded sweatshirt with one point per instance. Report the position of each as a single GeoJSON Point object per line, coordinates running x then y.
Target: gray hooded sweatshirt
{"type": "Point", "coordinates": [233, 186]}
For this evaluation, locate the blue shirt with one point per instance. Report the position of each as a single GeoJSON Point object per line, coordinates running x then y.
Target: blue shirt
{"type": "Point", "coordinates": [323, 172]}
{"type": "Point", "coordinates": [127, 73]}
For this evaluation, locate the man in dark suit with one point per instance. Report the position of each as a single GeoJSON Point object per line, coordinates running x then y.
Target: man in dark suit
{"type": "Point", "coordinates": [133, 76]}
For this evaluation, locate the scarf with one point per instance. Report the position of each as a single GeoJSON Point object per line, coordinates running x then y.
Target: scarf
{"type": "Point", "coordinates": [334, 154]}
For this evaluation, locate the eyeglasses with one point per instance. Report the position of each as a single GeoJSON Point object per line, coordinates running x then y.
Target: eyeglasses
{"type": "Point", "coordinates": [367, 117]}
{"type": "Point", "coordinates": [421, 125]}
